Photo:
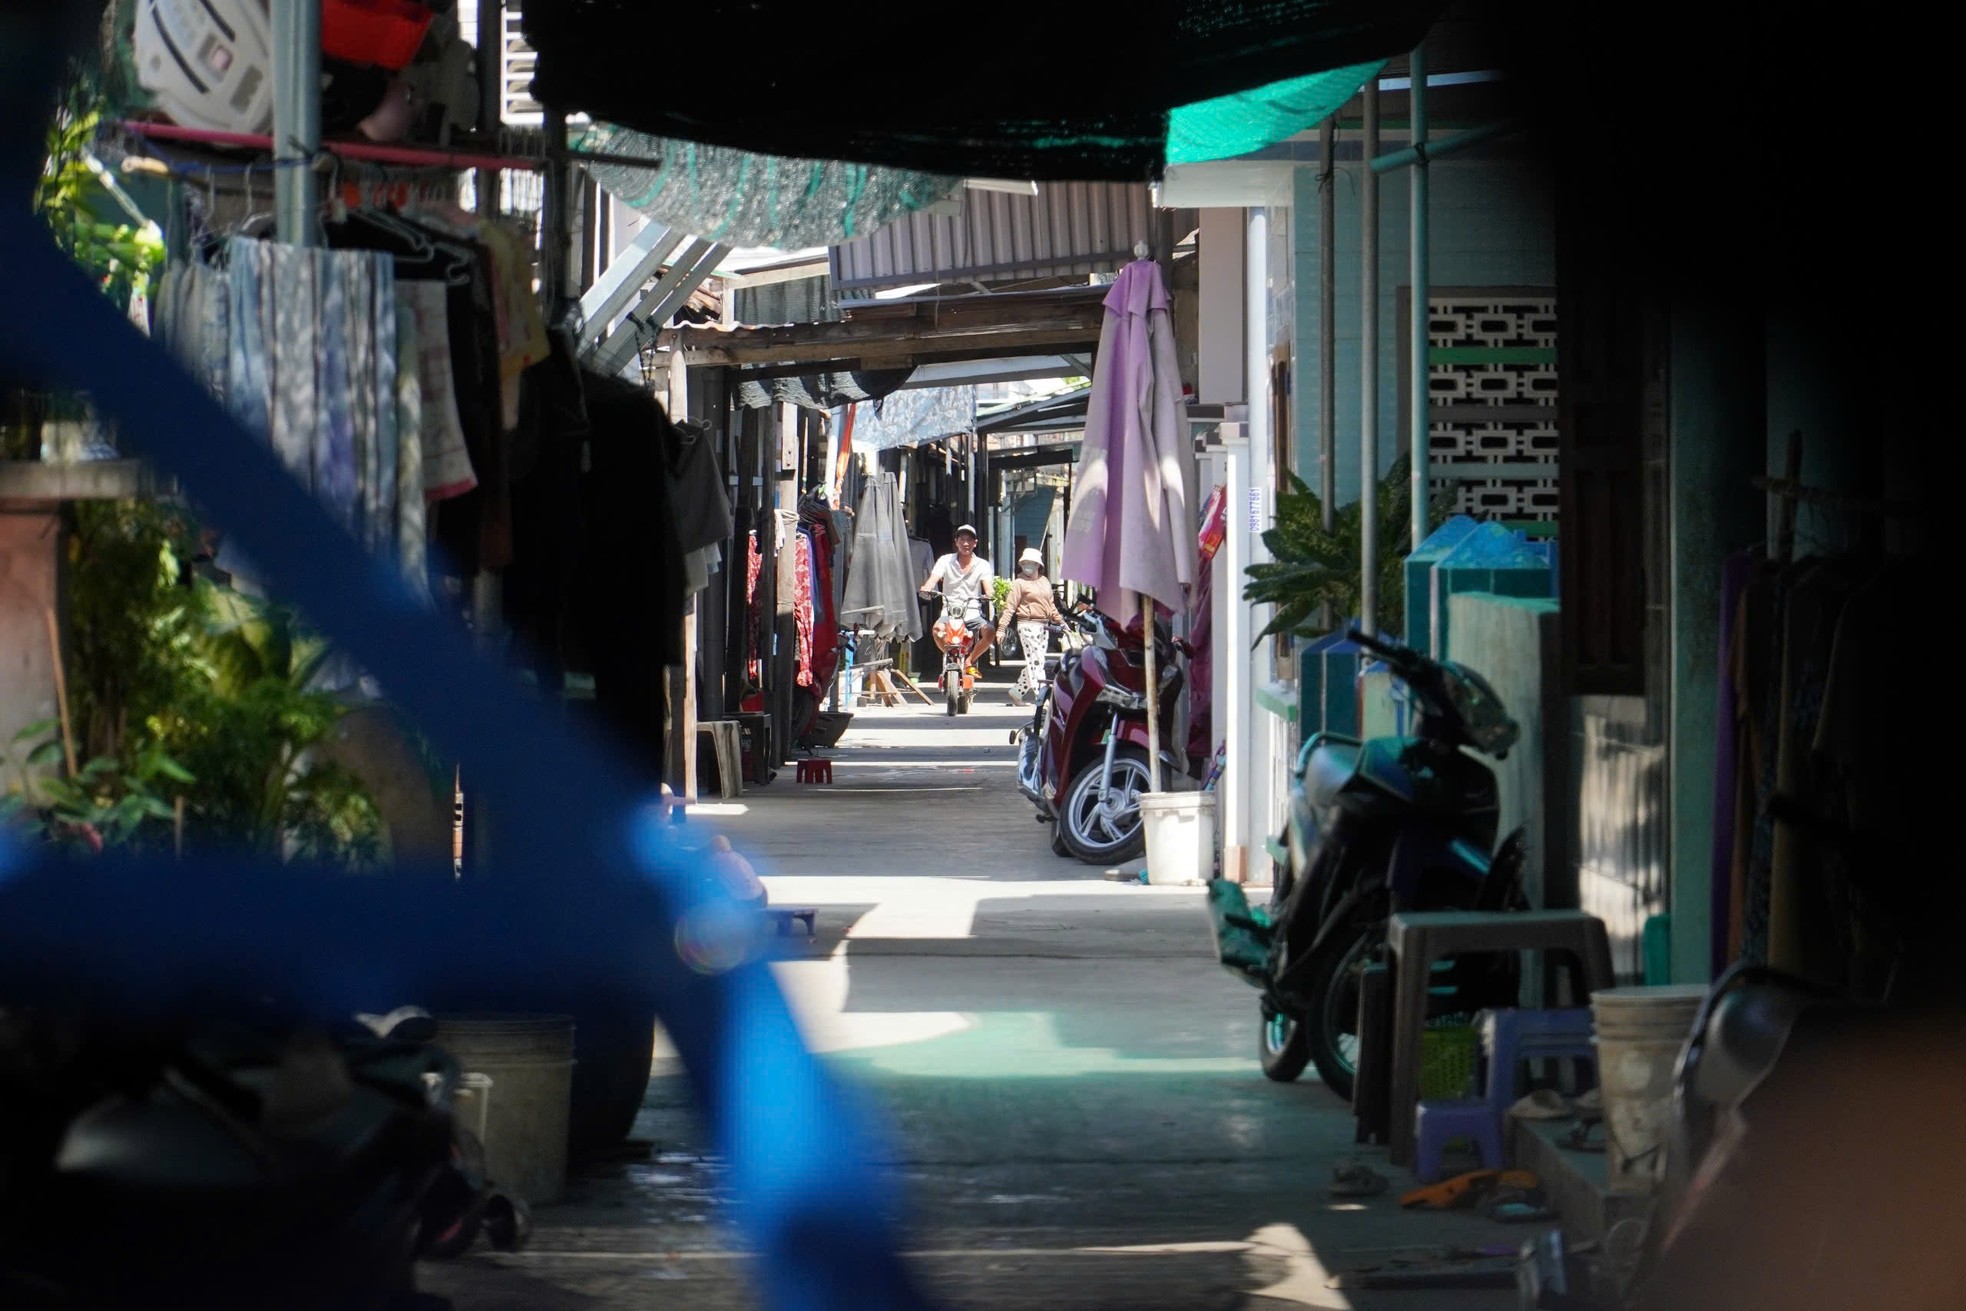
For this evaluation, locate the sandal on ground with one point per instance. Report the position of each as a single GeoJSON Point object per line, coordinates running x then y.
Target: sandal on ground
{"type": "Point", "coordinates": [1543, 1104]}
{"type": "Point", "coordinates": [1356, 1179]}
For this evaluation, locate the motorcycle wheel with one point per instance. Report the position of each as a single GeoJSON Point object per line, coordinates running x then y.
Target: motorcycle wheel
{"type": "Point", "coordinates": [950, 694]}
{"type": "Point", "coordinates": [1089, 836]}
{"type": "Point", "coordinates": [1331, 1022]}
{"type": "Point", "coordinates": [1282, 1045]}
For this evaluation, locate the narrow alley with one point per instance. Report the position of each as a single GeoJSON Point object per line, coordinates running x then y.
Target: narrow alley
{"type": "Point", "coordinates": [1069, 1077]}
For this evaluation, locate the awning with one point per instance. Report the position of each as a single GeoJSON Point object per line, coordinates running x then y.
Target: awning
{"type": "Point", "coordinates": [915, 418]}
{"type": "Point", "coordinates": [736, 197]}
{"type": "Point", "coordinates": [1092, 97]}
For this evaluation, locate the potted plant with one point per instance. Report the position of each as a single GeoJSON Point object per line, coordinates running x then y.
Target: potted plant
{"type": "Point", "coordinates": [1314, 575]}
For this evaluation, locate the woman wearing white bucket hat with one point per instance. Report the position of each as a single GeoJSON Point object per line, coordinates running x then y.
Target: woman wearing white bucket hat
{"type": "Point", "coordinates": [1030, 606]}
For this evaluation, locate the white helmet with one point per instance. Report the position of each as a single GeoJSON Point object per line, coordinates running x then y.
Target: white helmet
{"type": "Point", "coordinates": [208, 63]}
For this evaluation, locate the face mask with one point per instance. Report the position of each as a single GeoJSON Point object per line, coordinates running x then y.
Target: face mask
{"type": "Point", "coordinates": [1030, 571]}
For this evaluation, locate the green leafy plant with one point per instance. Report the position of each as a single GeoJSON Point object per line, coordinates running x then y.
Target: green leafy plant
{"type": "Point", "coordinates": [107, 802]}
{"type": "Point", "coordinates": [173, 675]}
{"type": "Point", "coordinates": [83, 205]}
{"type": "Point", "coordinates": [134, 631]}
{"type": "Point", "coordinates": [1313, 569]}
{"type": "Point", "coordinates": [248, 733]}
{"type": "Point", "coordinates": [999, 595]}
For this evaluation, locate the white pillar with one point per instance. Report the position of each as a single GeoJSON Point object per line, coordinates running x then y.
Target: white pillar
{"type": "Point", "coordinates": [1256, 514]}
{"type": "Point", "coordinates": [1234, 690]}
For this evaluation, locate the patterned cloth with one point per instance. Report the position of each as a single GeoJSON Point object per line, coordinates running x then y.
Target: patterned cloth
{"type": "Point", "coordinates": [379, 499]}
{"type": "Point", "coordinates": [1033, 639]}
{"type": "Point", "coordinates": [802, 608]}
{"type": "Point", "coordinates": [248, 347]}
{"type": "Point", "coordinates": [313, 350]}
{"type": "Point", "coordinates": [446, 463]}
{"type": "Point", "coordinates": [412, 533]}
{"type": "Point", "coordinates": [294, 298]}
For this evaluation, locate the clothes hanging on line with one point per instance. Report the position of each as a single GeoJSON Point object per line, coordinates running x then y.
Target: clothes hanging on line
{"type": "Point", "coordinates": [471, 523]}
{"type": "Point", "coordinates": [630, 593]}
{"type": "Point", "coordinates": [305, 347]}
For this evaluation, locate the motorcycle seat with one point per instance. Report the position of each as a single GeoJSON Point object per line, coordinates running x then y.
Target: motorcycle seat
{"type": "Point", "coordinates": [1331, 766]}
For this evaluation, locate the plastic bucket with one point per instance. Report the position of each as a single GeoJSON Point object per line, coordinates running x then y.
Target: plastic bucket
{"type": "Point", "coordinates": [1639, 1035]}
{"type": "Point", "coordinates": [529, 1060]}
{"type": "Point", "coordinates": [1180, 833]}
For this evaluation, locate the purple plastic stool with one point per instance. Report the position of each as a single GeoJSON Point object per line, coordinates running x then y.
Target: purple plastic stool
{"type": "Point", "coordinates": [1510, 1037]}
{"type": "Point", "coordinates": [1438, 1123]}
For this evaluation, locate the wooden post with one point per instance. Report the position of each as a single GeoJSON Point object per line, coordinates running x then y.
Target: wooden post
{"type": "Point", "coordinates": [686, 712]}
{"type": "Point", "coordinates": [61, 691]}
{"type": "Point", "coordinates": [1785, 502]}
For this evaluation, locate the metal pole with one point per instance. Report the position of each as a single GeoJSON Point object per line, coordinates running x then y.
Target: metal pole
{"type": "Point", "coordinates": [1327, 376]}
{"type": "Point", "coordinates": [1421, 308]}
{"type": "Point", "coordinates": [1368, 414]}
{"type": "Point", "coordinates": [296, 119]}
{"type": "Point", "coordinates": [491, 71]}
{"type": "Point", "coordinates": [1148, 643]}
{"type": "Point", "coordinates": [1474, 136]}
{"type": "Point", "coordinates": [556, 218]}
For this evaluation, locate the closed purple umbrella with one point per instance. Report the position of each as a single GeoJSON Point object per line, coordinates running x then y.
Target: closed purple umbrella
{"type": "Point", "coordinates": [1132, 530]}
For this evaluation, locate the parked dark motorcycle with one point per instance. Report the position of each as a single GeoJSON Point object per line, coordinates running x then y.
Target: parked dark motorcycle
{"type": "Point", "coordinates": [226, 1164]}
{"type": "Point", "coordinates": [1374, 827]}
{"type": "Point", "coordinates": [1084, 760]}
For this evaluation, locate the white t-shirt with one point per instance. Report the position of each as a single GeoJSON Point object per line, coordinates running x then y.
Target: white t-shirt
{"type": "Point", "coordinates": [972, 585]}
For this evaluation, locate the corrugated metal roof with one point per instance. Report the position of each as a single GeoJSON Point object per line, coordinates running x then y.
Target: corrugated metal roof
{"type": "Point", "coordinates": [800, 300]}
{"type": "Point", "coordinates": [1067, 229]}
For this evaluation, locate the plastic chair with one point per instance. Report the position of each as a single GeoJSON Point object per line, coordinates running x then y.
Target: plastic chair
{"type": "Point", "coordinates": [1438, 1123]}
{"type": "Point", "coordinates": [1418, 939]}
{"type": "Point", "coordinates": [1510, 1037]}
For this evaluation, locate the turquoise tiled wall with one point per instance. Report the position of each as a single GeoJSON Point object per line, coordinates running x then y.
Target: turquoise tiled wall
{"type": "Point", "coordinates": [1492, 226]}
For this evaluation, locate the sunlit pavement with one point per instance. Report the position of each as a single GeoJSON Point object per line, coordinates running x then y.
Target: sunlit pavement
{"type": "Point", "coordinates": [1069, 1080]}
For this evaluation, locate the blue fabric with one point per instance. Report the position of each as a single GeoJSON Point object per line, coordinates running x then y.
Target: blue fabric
{"type": "Point", "coordinates": [140, 937]}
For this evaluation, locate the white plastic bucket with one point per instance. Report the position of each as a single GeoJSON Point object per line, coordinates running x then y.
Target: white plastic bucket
{"type": "Point", "coordinates": [1180, 832]}
{"type": "Point", "coordinates": [1639, 1035]}
{"type": "Point", "coordinates": [529, 1060]}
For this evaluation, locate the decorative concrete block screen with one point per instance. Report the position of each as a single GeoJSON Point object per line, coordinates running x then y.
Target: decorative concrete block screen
{"type": "Point", "coordinates": [1491, 380]}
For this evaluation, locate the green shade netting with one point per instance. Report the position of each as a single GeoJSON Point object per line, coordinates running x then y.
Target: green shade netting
{"type": "Point", "coordinates": [744, 199]}
{"type": "Point", "coordinates": [1232, 125]}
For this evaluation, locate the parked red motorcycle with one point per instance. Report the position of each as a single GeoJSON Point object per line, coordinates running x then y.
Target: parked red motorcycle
{"type": "Point", "coordinates": [1083, 758]}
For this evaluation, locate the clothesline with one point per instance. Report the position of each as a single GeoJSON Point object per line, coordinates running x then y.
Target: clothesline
{"type": "Point", "coordinates": [376, 152]}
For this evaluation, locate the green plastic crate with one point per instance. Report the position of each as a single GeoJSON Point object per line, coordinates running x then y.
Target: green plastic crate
{"type": "Point", "coordinates": [1447, 1060]}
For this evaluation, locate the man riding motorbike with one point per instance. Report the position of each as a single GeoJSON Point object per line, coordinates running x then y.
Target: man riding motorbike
{"type": "Point", "coordinates": [965, 579]}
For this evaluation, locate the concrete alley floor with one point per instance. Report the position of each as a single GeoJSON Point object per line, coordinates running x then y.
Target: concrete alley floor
{"type": "Point", "coordinates": [1069, 1077]}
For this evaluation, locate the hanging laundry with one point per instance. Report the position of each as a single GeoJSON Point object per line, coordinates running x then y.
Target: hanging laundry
{"type": "Point", "coordinates": [447, 467]}
{"type": "Point", "coordinates": [302, 346]}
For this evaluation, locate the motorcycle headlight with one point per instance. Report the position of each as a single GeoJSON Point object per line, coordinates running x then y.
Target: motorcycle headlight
{"type": "Point", "coordinates": [1481, 710]}
{"type": "Point", "coordinates": [1126, 699]}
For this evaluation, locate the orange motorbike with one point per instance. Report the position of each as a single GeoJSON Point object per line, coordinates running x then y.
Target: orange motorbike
{"type": "Point", "coordinates": [953, 638]}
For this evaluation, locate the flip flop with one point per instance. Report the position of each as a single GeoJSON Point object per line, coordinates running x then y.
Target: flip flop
{"type": "Point", "coordinates": [1543, 1104]}
{"type": "Point", "coordinates": [1356, 1179]}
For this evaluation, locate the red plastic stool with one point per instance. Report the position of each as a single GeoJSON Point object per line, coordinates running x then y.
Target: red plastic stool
{"type": "Point", "coordinates": [816, 770]}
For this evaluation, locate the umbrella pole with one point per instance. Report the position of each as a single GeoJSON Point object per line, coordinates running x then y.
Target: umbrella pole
{"type": "Point", "coordinates": [1153, 695]}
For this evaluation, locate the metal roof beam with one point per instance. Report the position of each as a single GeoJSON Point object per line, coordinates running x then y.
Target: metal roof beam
{"type": "Point", "coordinates": [625, 276]}
{"type": "Point", "coordinates": [699, 260]}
